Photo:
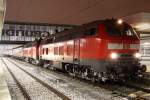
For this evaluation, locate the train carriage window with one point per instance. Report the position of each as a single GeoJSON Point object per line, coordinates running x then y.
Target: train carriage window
{"type": "Point", "coordinates": [69, 50]}
{"type": "Point", "coordinates": [43, 50]}
{"type": "Point", "coordinates": [55, 50]}
{"type": "Point", "coordinates": [47, 51]}
{"type": "Point", "coordinates": [61, 50]}
{"type": "Point", "coordinates": [56, 31]}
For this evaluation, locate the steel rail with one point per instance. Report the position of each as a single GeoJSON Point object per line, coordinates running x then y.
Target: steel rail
{"type": "Point", "coordinates": [23, 90]}
{"type": "Point", "coordinates": [61, 95]}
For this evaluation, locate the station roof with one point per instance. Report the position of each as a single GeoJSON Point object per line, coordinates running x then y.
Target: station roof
{"type": "Point", "coordinates": [72, 11]}
{"type": "Point", "coordinates": [76, 12]}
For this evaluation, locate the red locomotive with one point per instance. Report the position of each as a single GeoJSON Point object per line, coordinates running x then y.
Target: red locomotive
{"type": "Point", "coordinates": [106, 49]}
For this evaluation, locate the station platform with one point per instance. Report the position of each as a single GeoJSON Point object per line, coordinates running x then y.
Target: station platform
{"type": "Point", "coordinates": [4, 91]}
{"type": "Point", "coordinates": [148, 68]}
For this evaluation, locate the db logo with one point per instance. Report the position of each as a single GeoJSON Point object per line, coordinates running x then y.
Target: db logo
{"type": "Point", "coordinates": [126, 46]}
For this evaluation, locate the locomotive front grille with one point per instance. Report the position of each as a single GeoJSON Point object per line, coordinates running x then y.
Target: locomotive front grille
{"type": "Point", "coordinates": [126, 56]}
{"type": "Point", "coordinates": [126, 59]}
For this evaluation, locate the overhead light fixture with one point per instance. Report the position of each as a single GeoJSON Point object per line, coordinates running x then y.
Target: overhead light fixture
{"type": "Point", "coordinates": [120, 21]}
{"type": "Point", "coordinates": [146, 43]}
{"type": "Point", "coordinates": [142, 26]}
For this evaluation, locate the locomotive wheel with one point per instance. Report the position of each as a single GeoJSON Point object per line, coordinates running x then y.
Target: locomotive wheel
{"type": "Point", "coordinates": [66, 68]}
{"type": "Point", "coordinates": [143, 68]}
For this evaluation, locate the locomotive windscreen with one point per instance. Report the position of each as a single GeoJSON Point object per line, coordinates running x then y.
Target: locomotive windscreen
{"type": "Point", "coordinates": [115, 29]}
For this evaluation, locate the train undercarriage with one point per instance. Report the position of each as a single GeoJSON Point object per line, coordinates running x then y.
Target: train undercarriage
{"type": "Point", "coordinates": [113, 72]}
{"type": "Point", "coordinates": [86, 72]}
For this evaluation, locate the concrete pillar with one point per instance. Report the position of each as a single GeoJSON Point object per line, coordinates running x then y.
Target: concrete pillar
{"type": "Point", "coordinates": [2, 14]}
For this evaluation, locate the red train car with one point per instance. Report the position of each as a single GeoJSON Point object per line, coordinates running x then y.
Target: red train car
{"type": "Point", "coordinates": [30, 52]}
{"type": "Point", "coordinates": [106, 49]}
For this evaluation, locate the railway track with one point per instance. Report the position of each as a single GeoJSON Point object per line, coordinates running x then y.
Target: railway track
{"type": "Point", "coordinates": [23, 90]}
{"type": "Point", "coordinates": [126, 89]}
{"type": "Point", "coordinates": [28, 95]}
{"type": "Point", "coordinates": [78, 89]}
{"type": "Point", "coordinates": [143, 90]}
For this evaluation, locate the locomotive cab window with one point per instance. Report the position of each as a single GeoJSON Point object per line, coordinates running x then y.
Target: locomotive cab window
{"type": "Point", "coordinates": [124, 29]}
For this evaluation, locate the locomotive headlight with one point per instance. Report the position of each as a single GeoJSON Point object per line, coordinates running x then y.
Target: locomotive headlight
{"type": "Point", "coordinates": [114, 55]}
{"type": "Point", "coordinates": [137, 55]}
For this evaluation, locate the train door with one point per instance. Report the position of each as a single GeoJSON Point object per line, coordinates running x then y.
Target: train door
{"type": "Point", "coordinates": [76, 56]}
{"type": "Point", "coordinates": [31, 52]}
{"type": "Point", "coordinates": [37, 52]}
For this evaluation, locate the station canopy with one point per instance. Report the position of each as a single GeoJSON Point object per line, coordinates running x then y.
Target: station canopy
{"type": "Point", "coordinates": [76, 12]}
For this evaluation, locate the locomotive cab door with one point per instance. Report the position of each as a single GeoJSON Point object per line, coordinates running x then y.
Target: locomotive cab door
{"type": "Point", "coordinates": [76, 56]}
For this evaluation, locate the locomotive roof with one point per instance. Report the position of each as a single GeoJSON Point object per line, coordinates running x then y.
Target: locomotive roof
{"type": "Point", "coordinates": [76, 32]}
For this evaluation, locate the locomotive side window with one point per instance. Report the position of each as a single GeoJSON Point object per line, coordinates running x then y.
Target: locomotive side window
{"type": "Point", "coordinates": [47, 51]}
{"type": "Point", "coordinates": [91, 31]}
